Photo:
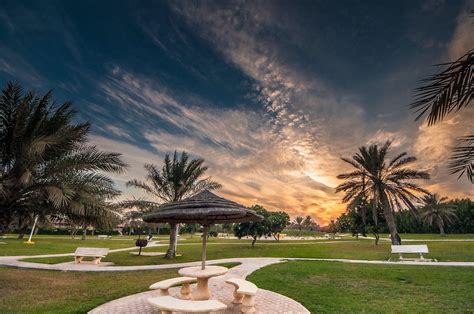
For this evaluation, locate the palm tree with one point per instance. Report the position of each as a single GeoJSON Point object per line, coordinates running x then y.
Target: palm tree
{"type": "Point", "coordinates": [308, 222]}
{"type": "Point", "coordinates": [133, 220]}
{"type": "Point", "coordinates": [447, 92]}
{"type": "Point", "coordinates": [179, 178]}
{"type": "Point", "coordinates": [436, 210]}
{"type": "Point", "coordinates": [384, 184]}
{"type": "Point", "coordinates": [46, 165]}
{"type": "Point", "coordinates": [299, 222]}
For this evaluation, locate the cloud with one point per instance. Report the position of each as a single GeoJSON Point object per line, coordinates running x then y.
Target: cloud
{"type": "Point", "coordinates": [462, 40]}
{"type": "Point", "coordinates": [284, 156]}
{"type": "Point", "coordinates": [254, 163]}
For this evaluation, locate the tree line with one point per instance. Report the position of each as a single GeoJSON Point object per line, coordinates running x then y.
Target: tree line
{"type": "Point", "coordinates": [437, 215]}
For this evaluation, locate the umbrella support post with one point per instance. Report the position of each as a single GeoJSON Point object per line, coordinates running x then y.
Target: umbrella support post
{"type": "Point", "coordinates": [204, 242]}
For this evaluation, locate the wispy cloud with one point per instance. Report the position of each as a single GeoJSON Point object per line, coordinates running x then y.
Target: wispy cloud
{"type": "Point", "coordinates": [255, 164]}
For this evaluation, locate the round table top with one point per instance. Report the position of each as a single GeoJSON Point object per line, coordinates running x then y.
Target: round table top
{"type": "Point", "coordinates": [197, 272]}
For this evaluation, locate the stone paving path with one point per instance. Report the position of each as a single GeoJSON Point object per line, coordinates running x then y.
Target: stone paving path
{"type": "Point", "coordinates": [265, 301]}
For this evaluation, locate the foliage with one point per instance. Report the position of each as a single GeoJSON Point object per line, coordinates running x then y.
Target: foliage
{"type": "Point", "coordinates": [447, 92]}
{"type": "Point", "coordinates": [462, 160]}
{"type": "Point", "coordinates": [436, 211]}
{"type": "Point", "coordinates": [179, 178]}
{"type": "Point", "coordinates": [463, 209]}
{"type": "Point", "coordinates": [298, 222]}
{"type": "Point", "coordinates": [354, 221]}
{"type": "Point", "coordinates": [46, 164]}
{"type": "Point", "coordinates": [254, 229]}
{"type": "Point", "coordinates": [383, 184]}
{"type": "Point", "coordinates": [272, 224]}
{"type": "Point", "coordinates": [277, 222]}
{"type": "Point", "coordinates": [189, 228]}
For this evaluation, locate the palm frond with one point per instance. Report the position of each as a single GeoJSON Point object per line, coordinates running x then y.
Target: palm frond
{"type": "Point", "coordinates": [462, 159]}
{"type": "Point", "coordinates": [447, 91]}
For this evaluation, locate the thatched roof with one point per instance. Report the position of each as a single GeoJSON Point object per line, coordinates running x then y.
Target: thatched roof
{"type": "Point", "coordinates": [204, 208]}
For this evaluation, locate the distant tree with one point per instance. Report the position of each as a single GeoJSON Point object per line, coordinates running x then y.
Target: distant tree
{"type": "Point", "coordinates": [133, 220]}
{"type": "Point", "coordinates": [254, 229]}
{"type": "Point", "coordinates": [277, 222]}
{"type": "Point", "coordinates": [105, 217]}
{"type": "Point", "coordinates": [178, 179]}
{"type": "Point", "coordinates": [299, 222]}
{"type": "Point", "coordinates": [437, 211]}
{"type": "Point", "coordinates": [227, 227]}
{"type": "Point", "coordinates": [354, 221]}
{"type": "Point", "coordinates": [383, 184]}
{"type": "Point", "coordinates": [308, 222]}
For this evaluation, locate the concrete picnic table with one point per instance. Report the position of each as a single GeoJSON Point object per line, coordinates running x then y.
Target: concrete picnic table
{"type": "Point", "coordinates": [202, 275]}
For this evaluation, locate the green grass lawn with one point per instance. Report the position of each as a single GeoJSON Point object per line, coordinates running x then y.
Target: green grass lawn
{"type": "Point", "coordinates": [349, 288]}
{"type": "Point", "coordinates": [57, 244]}
{"type": "Point", "coordinates": [433, 236]}
{"type": "Point", "coordinates": [218, 248]}
{"type": "Point", "coordinates": [39, 291]}
{"type": "Point", "coordinates": [302, 233]}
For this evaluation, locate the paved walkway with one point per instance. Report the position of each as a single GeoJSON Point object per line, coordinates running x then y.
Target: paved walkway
{"type": "Point", "coordinates": [265, 301]}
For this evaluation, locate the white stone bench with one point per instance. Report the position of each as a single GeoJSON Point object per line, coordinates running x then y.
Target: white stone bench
{"type": "Point", "coordinates": [411, 249]}
{"type": "Point", "coordinates": [244, 294]}
{"type": "Point", "coordinates": [164, 285]}
{"type": "Point", "coordinates": [103, 236]}
{"type": "Point", "coordinates": [96, 253]}
{"type": "Point", "coordinates": [169, 304]}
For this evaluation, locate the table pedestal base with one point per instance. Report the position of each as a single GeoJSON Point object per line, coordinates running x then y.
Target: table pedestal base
{"type": "Point", "coordinates": [202, 290]}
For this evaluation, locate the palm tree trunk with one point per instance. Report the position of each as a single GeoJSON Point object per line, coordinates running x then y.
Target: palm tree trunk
{"type": "Point", "coordinates": [5, 221]}
{"type": "Point", "coordinates": [441, 227]}
{"type": "Point", "coordinates": [392, 226]}
{"type": "Point", "coordinates": [171, 253]}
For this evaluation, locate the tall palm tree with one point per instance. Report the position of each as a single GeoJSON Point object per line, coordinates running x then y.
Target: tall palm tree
{"type": "Point", "coordinates": [308, 222]}
{"type": "Point", "coordinates": [179, 178]}
{"type": "Point", "coordinates": [299, 222]}
{"type": "Point", "coordinates": [436, 210]}
{"type": "Point", "coordinates": [46, 165]}
{"type": "Point", "coordinates": [447, 92]}
{"type": "Point", "coordinates": [383, 184]}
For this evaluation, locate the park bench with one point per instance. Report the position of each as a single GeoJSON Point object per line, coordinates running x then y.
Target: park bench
{"type": "Point", "coordinates": [164, 285]}
{"type": "Point", "coordinates": [96, 253]}
{"type": "Point", "coordinates": [244, 294]}
{"type": "Point", "coordinates": [411, 249]}
{"type": "Point", "coordinates": [169, 304]}
{"type": "Point", "coordinates": [103, 236]}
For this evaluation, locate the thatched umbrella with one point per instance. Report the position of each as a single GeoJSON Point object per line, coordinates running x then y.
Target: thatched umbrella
{"type": "Point", "coordinates": [204, 208]}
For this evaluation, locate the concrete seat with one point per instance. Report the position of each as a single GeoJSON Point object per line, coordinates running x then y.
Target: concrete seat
{"type": "Point", "coordinates": [169, 304]}
{"type": "Point", "coordinates": [411, 249]}
{"type": "Point", "coordinates": [164, 285]}
{"type": "Point", "coordinates": [244, 294]}
{"type": "Point", "coordinates": [96, 253]}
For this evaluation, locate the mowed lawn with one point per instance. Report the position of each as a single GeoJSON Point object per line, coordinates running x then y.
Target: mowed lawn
{"type": "Point", "coordinates": [57, 244]}
{"type": "Point", "coordinates": [39, 291]}
{"type": "Point", "coordinates": [222, 248]}
{"type": "Point", "coordinates": [333, 287]}
{"type": "Point", "coordinates": [330, 287]}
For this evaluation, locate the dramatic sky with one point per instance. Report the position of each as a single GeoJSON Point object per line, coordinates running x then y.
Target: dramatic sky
{"type": "Point", "coordinates": [270, 93]}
